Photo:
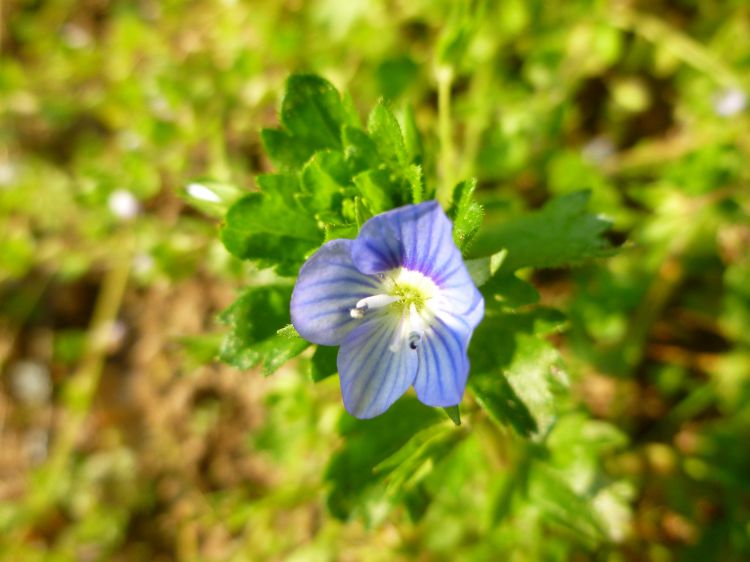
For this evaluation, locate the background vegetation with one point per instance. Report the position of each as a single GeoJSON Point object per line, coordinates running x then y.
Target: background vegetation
{"type": "Point", "coordinates": [621, 432]}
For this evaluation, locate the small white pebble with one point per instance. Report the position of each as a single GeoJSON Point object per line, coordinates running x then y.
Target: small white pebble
{"type": "Point", "coordinates": [123, 204]}
{"type": "Point", "coordinates": [202, 193]}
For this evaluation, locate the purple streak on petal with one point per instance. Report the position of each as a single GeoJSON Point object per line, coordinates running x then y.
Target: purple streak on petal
{"type": "Point", "coordinates": [417, 237]}
{"type": "Point", "coordinates": [372, 375]}
{"type": "Point", "coordinates": [328, 287]}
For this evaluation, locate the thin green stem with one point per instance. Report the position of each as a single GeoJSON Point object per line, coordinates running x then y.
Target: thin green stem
{"type": "Point", "coordinates": [80, 391]}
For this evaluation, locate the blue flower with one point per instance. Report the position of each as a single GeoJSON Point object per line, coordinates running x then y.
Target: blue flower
{"type": "Point", "coordinates": [401, 304]}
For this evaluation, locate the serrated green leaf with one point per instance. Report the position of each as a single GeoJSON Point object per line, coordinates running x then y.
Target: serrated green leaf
{"type": "Point", "coordinates": [366, 444]}
{"type": "Point", "coordinates": [312, 112]}
{"type": "Point", "coordinates": [561, 234]}
{"type": "Point", "coordinates": [271, 226]}
{"type": "Point", "coordinates": [466, 214]}
{"type": "Point", "coordinates": [386, 134]}
{"type": "Point", "coordinates": [260, 333]}
{"type": "Point", "coordinates": [323, 363]}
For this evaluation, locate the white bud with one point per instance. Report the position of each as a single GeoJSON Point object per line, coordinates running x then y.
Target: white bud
{"type": "Point", "coordinates": [202, 193]}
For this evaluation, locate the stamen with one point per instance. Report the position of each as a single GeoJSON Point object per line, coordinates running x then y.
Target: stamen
{"type": "Point", "coordinates": [376, 301]}
{"type": "Point", "coordinates": [371, 303]}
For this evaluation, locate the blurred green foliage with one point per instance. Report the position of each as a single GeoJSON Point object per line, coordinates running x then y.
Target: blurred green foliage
{"type": "Point", "coordinates": [609, 402]}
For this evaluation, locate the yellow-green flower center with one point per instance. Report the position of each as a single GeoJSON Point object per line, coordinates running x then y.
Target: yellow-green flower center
{"type": "Point", "coordinates": [409, 288]}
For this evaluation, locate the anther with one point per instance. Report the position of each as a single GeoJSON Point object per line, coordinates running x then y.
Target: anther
{"type": "Point", "coordinates": [357, 312]}
{"type": "Point", "coordinates": [414, 339]}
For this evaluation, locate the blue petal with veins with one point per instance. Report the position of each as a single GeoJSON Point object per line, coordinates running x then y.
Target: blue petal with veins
{"type": "Point", "coordinates": [401, 304]}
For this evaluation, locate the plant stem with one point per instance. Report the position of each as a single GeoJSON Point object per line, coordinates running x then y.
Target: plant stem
{"type": "Point", "coordinates": [79, 391]}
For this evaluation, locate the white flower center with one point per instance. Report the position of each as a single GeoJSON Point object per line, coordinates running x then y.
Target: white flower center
{"type": "Point", "coordinates": [408, 293]}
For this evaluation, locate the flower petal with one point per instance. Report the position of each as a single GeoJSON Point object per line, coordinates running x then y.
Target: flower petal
{"type": "Point", "coordinates": [373, 375]}
{"type": "Point", "coordinates": [328, 287]}
{"type": "Point", "coordinates": [417, 237]}
{"type": "Point", "coordinates": [459, 297]}
{"type": "Point", "coordinates": [443, 364]}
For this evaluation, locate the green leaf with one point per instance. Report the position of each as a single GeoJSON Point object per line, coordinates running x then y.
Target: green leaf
{"type": "Point", "coordinates": [367, 443]}
{"type": "Point", "coordinates": [312, 112]}
{"type": "Point", "coordinates": [335, 232]}
{"type": "Point", "coordinates": [412, 137]}
{"type": "Point", "coordinates": [561, 505]}
{"type": "Point", "coordinates": [500, 286]}
{"type": "Point", "coordinates": [386, 134]}
{"type": "Point", "coordinates": [260, 333]}
{"type": "Point", "coordinates": [495, 394]}
{"type": "Point", "coordinates": [312, 115]}
{"type": "Point", "coordinates": [466, 214]}
{"type": "Point", "coordinates": [515, 370]}
{"type": "Point", "coordinates": [413, 175]}
{"type": "Point", "coordinates": [508, 290]}
{"type": "Point", "coordinates": [271, 226]}
{"type": "Point", "coordinates": [561, 234]}
{"type": "Point", "coordinates": [323, 363]}
{"type": "Point", "coordinates": [360, 150]}
{"type": "Point", "coordinates": [284, 150]}
{"type": "Point", "coordinates": [323, 179]}
{"type": "Point", "coordinates": [412, 463]}
{"type": "Point", "coordinates": [375, 188]}
{"type": "Point", "coordinates": [482, 269]}
{"type": "Point", "coordinates": [288, 331]}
